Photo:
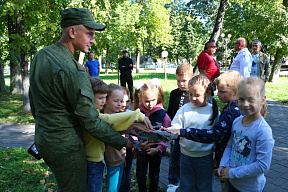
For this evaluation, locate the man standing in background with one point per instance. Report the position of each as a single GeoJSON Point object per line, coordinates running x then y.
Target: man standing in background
{"type": "Point", "coordinates": [243, 61]}
{"type": "Point", "coordinates": [125, 65]}
{"type": "Point", "coordinates": [260, 63]}
{"type": "Point", "coordinates": [92, 66]}
{"type": "Point", "coordinates": [206, 63]}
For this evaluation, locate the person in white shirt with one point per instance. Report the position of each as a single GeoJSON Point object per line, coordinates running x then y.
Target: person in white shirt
{"type": "Point", "coordinates": [243, 61]}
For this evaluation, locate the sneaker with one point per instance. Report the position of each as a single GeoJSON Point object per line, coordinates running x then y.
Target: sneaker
{"type": "Point", "coordinates": [172, 188]}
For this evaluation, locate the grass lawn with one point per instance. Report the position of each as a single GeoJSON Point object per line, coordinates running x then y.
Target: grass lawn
{"type": "Point", "coordinates": [20, 172]}
{"type": "Point", "coordinates": [278, 91]}
{"type": "Point", "coordinates": [11, 105]}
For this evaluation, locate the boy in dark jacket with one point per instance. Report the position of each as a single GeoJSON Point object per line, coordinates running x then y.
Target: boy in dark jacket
{"type": "Point", "coordinates": [178, 97]}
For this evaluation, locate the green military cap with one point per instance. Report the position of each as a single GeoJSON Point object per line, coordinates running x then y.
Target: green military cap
{"type": "Point", "coordinates": [79, 16]}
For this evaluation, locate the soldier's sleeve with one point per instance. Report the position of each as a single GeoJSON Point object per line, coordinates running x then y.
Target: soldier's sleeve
{"type": "Point", "coordinates": [79, 92]}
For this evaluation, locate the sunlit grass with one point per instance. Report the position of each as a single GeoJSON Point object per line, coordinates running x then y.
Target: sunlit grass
{"type": "Point", "coordinates": [278, 91]}
{"type": "Point", "coordinates": [20, 172]}
{"type": "Point", "coordinates": [11, 105]}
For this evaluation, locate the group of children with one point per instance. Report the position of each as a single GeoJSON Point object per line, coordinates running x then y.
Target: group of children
{"type": "Point", "coordinates": [202, 130]}
{"type": "Point", "coordinates": [249, 149]}
{"type": "Point", "coordinates": [113, 102]}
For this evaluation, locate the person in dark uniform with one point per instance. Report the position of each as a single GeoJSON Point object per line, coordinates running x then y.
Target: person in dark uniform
{"type": "Point", "coordinates": [125, 65]}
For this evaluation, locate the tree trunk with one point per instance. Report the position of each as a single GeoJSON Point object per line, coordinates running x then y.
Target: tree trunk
{"type": "Point", "coordinates": [107, 60]}
{"type": "Point", "coordinates": [24, 68]}
{"type": "Point", "coordinates": [25, 81]}
{"type": "Point", "coordinates": [219, 21]}
{"type": "Point", "coordinates": [276, 67]}
{"type": "Point", "coordinates": [100, 61]}
{"type": "Point", "coordinates": [285, 3]}
{"type": "Point", "coordinates": [15, 70]}
{"type": "Point", "coordinates": [275, 71]}
{"type": "Point", "coordinates": [138, 61]}
{"type": "Point", "coordinates": [2, 79]}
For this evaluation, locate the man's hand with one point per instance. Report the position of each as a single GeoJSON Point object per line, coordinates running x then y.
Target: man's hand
{"type": "Point", "coordinates": [171, 130]}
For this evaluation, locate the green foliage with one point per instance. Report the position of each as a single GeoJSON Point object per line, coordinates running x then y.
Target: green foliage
{"type": "Point", "coordinates": [40, 20]}
{"type": "Point", "coordinates": [262, 20]}
{"type": "Point", "coordinates": [206, 10]}
{"type": "Point", "coordinates": [21, 172]}
{"type": "Point", "coordinates": [188, 33]}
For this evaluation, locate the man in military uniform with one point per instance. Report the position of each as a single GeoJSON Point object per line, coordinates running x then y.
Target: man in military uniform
{"type": "Point", "coordinates": [62, 102]}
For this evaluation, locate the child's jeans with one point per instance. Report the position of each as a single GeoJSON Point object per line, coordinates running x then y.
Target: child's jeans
{"type": "Point", "coordinates": [126, 177]}
{"type": "Point", "coordinates": [113, 178]}
{"type": "Point", "coordinates": [95, 176]}
{"type": "Point", "coordinates": [174, 163]}
{"type": "Point", "coordinates": [196, 173]}
{"type": "Point", "coordinates": [141, 171]}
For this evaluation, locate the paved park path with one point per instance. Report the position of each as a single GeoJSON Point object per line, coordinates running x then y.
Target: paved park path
{"type": "Point", "coordinates": [21, 135]}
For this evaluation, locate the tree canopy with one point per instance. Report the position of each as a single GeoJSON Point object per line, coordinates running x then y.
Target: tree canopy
{"type": "Point", "coordinates": [146, 27]}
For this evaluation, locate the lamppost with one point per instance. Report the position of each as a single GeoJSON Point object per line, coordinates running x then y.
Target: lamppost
{"type": "Point", "coordinates": [164, 56]}
{"type": "Point", "coordinates": [227, 39]}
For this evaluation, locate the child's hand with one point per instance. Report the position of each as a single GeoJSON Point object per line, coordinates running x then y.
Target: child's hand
{"type": "Point", "coordinates": [171, 130]}
{"type": "Point", "coordinates": [224, 173]}
{"type": "Point", "coordinates": [152, 151]}
{"type": "Point", "coordinates": [219, 171]}
{"type": "Point", "coordinates": [145, 145]}
{"type": "Point", "coordinates": [148, 124]}
{"type": "Point", "coordinates": [142, 127]}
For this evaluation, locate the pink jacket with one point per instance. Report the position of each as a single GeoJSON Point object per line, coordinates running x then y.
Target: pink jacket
{"type": "Point", "coordinates": [166, 122]}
